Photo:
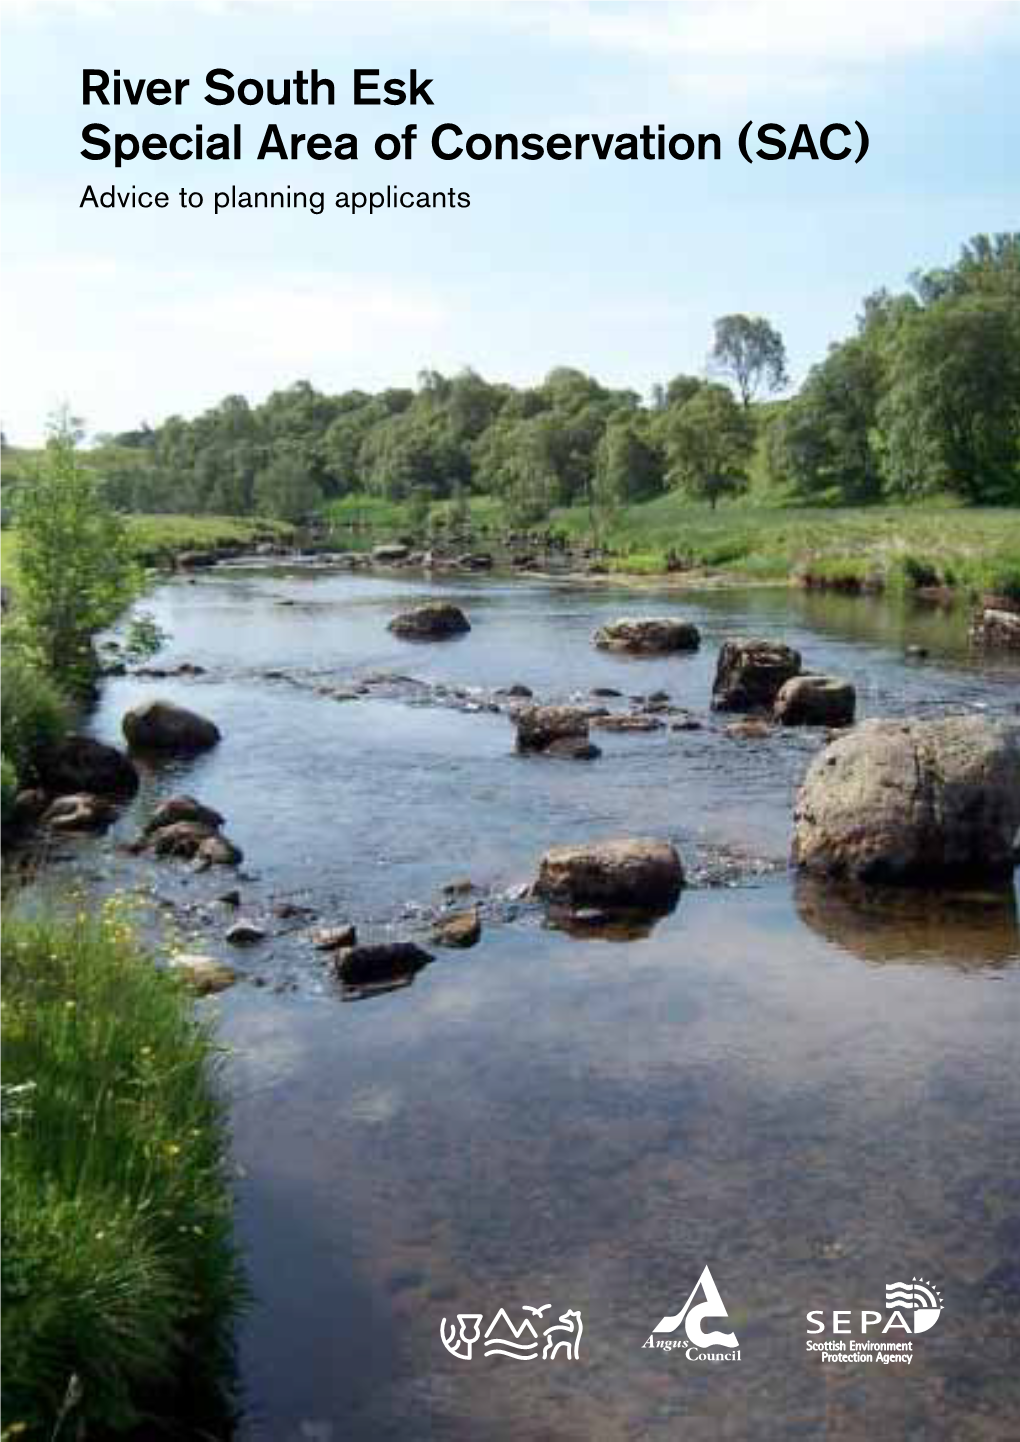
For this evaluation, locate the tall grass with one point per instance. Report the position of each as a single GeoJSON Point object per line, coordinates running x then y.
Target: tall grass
{"type": "Point", "coordinates": [120, 1279]}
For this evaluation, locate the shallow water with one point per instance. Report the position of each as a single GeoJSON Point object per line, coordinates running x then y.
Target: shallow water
{"type": "Point", "coordinates": [812, 1098]}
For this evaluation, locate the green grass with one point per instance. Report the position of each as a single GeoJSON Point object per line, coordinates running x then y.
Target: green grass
{"type": "Point", "coordinates": [120, 1281]}
{"type": "Point", "coordinates": [895, 547]}
{"type": "Point", "coordinates": [358, 522]}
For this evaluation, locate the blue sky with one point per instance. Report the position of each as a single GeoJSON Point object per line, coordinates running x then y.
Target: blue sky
{"type": "Point", "coordinates": [616, 267]}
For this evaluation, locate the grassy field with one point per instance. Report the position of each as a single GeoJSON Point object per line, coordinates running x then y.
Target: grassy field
{"type": "Point", "coordinates": [120, 1281]}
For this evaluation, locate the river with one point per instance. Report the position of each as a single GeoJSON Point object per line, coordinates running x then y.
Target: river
{"type": "Point", "coordinates": [812, 1099]}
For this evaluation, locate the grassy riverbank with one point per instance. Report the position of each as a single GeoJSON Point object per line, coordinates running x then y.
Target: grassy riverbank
{"type": "Point", "coordinates": [899, 547]}
{"type": "Point", "coordinates": [879, 547]}
{"type": "Point", "coordinates": [156, 537]}
{"type": "Point", "coordinates": [120, 1281]}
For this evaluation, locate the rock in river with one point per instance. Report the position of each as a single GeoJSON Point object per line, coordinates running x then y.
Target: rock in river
{"type": "Point", "coordinates": [219, 850]}
{"type": "Point", "coordinates": [630, 721]}
{"type": "Point", "coordinates": [384, 962]}
{"type": "Point", "coordinates": [459, 929]}
{"type": "Point", "coordinates": [204, 974]}
{"type": "Point", "coordinates": [913, 801]}
{"type": "Point", "coordinates": [182, 808]}
{"type": "Point", "coordinates": [79, 812]}
{"type": "Point", "coordinates": [335, 938]}
{"type": "Point", "coordinates": [432, 621]}
{"type": "Point", "coordinates": [245, 933]}
{"type": "Point", "coordinates": [539, 727]}
{"type": "Point", "coordinates": [750, 674]}
{"type": "Point", "coordinates": [633, 874]}
{"type": "Point", "coordinates": [181, 838]}
{"type": "Point", "coordinates": [815, 701]}
{"type": "Point", "coordinates": [648, 636]}
{"type": "Point", "coordinates": [83, 764]}
{"type": "Point", "coordinates": [996, 627]}
{"type": "Point", "coordinates": [162, 726]}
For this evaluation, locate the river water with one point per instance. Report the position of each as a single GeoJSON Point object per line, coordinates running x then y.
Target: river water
{"type": "Point", "coordinates": [812, 1098]}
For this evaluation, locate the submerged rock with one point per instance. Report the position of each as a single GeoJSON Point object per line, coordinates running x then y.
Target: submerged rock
{"type": "Point", "coordinates": [634, 721]}
{"type": "Point", "coordinates": [383, 962]}
{"type": "Point", "coordinates": [573, 748]}
{"type": "Point", "coordinates": [164, 726]}
{"type": "Point", "coordinates": [815, 701]}
{"type": "Point", "coordinates": [434, 620]}
{"type": "Point", "coordinates": [82, 764]}
{"type": "Point", "coordinates": [204, 974]}
{"type": "Point", "coordinates": [648, 636]}
{"type": "Point", "coordinates": [461, 929]}
{"type": "Point", "coordinates": [912, 801]}
{"type": "Point", "coordinates": [632, 874]}
{"type": "Point", "coordinates": [750, 674]}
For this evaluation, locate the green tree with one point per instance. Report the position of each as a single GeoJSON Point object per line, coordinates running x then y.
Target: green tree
{"type": "Point", "coordinates": [822, 443]}
{"type": "Point", "coordinates": [76, 572]}
{"type": "Point", "coordinates": [709, 441]}
{"type": "Point", "coordinates": [286, 487]}
{"type": "Point", "coordinates": [751, 351]}
{"type": "Point", "coordinates": [950, 417]}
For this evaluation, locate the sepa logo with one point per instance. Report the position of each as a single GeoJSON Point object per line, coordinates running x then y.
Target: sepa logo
{"type": "Point", "coordinates": [910, 1308]}
{"type": "Point", "coordinates": [696, 1341]}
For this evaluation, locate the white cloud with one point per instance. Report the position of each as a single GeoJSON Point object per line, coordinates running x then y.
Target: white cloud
{"type": "Point", "coordinates": [869, 31]}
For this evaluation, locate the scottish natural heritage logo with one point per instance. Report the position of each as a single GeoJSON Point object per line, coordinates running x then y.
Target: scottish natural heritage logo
{"type": "Point", "coordinates": [697, 1344]}
{"type": "Point", "coordinates": [523, 1343]}
{"type": "Point", "coordinates": [910, 1308]}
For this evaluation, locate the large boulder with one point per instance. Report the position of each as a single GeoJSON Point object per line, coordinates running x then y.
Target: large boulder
{"type": "Point", "coordinates": [626, 875]}
{"type": "Point", "coordinates": [648, 636]}
{"type": "Point", "coordinates": [163, 726]}
{"type": "Point", "coordinates": [815, 701]}
{"type": "Point", "coordinates": [541, 727]}
{"type": "Point", "coordinates": [912, 801]}
{"type": "Point", "coordinates": [431, 621]}
{"type": "Point", "coordinates": [83, 764]}
{"type": "Point", "coordinates": [750, 674]}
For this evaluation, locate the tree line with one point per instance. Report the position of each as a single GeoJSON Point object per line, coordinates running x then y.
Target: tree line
{"type": "Point", "coordinates": [923, 400]}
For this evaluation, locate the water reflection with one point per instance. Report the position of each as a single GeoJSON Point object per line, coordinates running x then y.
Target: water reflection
{"type": "Point", "coordinates": [966, 930]}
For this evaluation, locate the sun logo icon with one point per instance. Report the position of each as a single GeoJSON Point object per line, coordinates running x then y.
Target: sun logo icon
{"type": "Point", "coordinates": [918, 1296]}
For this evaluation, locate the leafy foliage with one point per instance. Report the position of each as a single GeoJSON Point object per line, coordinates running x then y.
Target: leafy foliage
{"type": "Point", "coordinates": [76, 570]}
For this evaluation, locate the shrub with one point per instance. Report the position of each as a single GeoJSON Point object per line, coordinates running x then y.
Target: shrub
{"type": "Point", "coordinates": [8, 788]}
{"type": "Point", "coordinates": [33, 713]}
{"type": "Point", "coordinates": [120, 1279]}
